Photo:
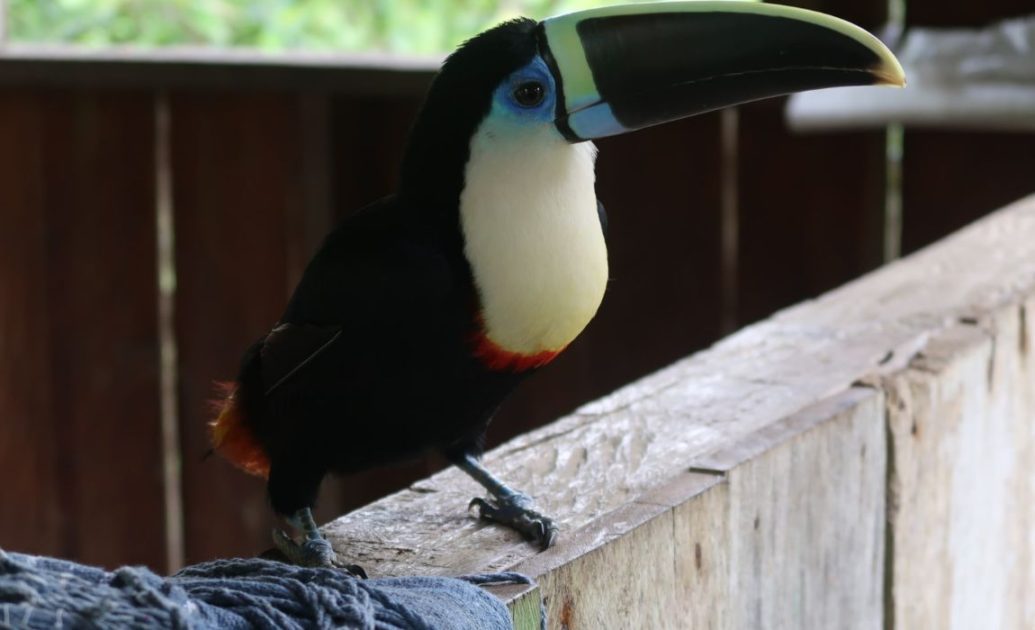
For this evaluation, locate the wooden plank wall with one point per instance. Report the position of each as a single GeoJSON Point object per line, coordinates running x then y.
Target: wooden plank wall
{"type": "Point", "coordinates": [80, 447]}
{"type": "Point", "coordinates": [960, 509]}
{"type": "Point", "coordinates": [257, 178]}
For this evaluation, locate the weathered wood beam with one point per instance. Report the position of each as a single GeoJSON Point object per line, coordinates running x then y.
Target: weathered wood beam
{"type": "Point", "coordinates": [214, 68]}
{"type": "Point", "coordinates": [961, 422]}
{"type": "Point", "coordinates": [745, 486]}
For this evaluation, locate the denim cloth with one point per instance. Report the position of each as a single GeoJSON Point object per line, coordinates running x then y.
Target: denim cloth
{"type": "Point", "coordinates": [42, 592]}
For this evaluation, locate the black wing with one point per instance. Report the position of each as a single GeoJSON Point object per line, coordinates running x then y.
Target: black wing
{"type": "Point", "coordinates": [289, 348]}
{"type": "Point", "coordinates": [375, 273]}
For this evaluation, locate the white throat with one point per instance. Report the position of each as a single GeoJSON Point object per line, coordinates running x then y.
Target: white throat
{"type": "Point", "coordinates": [533, 236]}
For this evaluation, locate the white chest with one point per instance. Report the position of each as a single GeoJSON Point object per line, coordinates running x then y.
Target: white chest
{"type": "Point", "coordinates": [533, 237]}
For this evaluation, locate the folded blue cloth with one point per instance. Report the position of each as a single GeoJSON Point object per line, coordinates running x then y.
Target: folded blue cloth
{"type": "Point", "coordinates": [41, 592]}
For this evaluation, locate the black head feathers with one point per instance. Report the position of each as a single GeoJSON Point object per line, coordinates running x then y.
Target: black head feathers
{"type": "Point", "coordinates": [457, 101]}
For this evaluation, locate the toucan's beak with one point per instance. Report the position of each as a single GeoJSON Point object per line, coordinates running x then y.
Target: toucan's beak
{"type": "Point", "coordinates": [629, 67]}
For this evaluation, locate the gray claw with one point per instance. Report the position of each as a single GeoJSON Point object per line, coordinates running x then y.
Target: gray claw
{"type": "Point", "coordinates": [516, 514]}
{"type": "Point", "coordinates": [314, 552]}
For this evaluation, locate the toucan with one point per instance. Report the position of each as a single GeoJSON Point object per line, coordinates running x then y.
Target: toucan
{"type": "Point", "coordinates": [420, 313]}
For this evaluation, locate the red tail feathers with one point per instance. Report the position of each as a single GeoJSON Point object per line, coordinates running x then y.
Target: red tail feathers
{"type": "Point", "coordinates": [232, 439]}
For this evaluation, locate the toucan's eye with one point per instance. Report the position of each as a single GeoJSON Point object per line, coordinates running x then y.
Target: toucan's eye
{"type": "Point", "coordinates": [529, 94]}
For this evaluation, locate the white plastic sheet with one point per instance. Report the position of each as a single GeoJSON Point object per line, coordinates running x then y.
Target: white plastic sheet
{"type": "Point", "coordinates": [958, 78]}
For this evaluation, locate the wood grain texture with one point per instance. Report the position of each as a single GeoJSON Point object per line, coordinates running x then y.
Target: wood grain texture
{"type": "Point", "coordinates": [740, 408]}
{"type": "Point", "coordinates": [29, 454]}
{"type": "Point", "coordinates": [962, 486]}
{"type": "Point", "coordinates": [806, 520]}
{"type": "Point", "coordinates": [101, 204]}
{"type": "Point", "coordinates": [579, 580]}
{"type": "Point", "coordinates": [87, 210]}
{"type": "Point", "coordinates": [806, 502]}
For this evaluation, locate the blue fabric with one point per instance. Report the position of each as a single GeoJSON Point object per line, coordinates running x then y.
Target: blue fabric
{"type": "Point", "coordinates": [41, 592]}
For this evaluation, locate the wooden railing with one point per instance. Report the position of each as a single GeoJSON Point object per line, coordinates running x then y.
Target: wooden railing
{"type": "Point", "coordinates": [862, 460]}
{"type": "Point", "coordinates": [156, 209]}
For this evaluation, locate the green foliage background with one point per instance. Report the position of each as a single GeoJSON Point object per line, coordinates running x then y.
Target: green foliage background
{"type": "Point", "coordinates": [401, 26]}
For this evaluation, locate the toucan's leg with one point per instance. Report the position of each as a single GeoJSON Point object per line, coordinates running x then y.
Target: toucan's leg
{"type": "Point", "coordinates": [313, 550]}
{"type": "Point", "coordinates": [507, 507]}
{"type": "Point", "coordinates": [293, 486]}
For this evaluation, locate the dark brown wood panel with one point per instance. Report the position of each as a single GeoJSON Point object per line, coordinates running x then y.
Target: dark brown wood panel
{"type": "Point", "coordinates": [952, 179]}
{"type": "Point", "coordinates": [100, 190]}
{"type": "Point", "coordinates": [33, 519]}
{"type": "Point", "coordinates": [84, 67]}
{"type": "Point", "coordinates": [954, 14]}
{"type": "Point", "coordinates": [98, 323]}
{"type": "Point", "coordinates": [369, 136]}
{"type": "Point", "coordinates": [811, 209]}
{"type": "Point", "coordinates": [235, 184]}
{"type": "Point", "coordinates": [866, 13]}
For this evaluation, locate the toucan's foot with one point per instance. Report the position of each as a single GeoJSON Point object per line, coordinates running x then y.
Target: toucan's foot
{"type": "Point", "coordinates": [507, 507]}
{"type": "Point", "coordinates": [515, 511]}
{"type": "Point", "coordinates": [313, 552]}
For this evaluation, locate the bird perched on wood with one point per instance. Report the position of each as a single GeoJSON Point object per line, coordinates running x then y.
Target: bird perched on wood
{"type": "Point", "coordinates": [420, 313]}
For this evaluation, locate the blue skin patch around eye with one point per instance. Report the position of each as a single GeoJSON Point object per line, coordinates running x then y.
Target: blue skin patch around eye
{"type": "Point", "coordinates": [505, 105]}
{"type": "Point", "coordinates": [594, 121]}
